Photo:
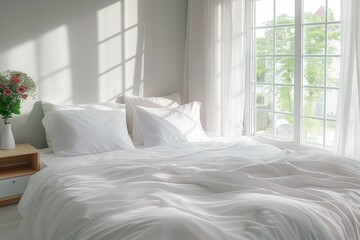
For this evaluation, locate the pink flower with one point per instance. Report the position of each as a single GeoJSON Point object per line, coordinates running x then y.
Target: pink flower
{"type": "Point", "coordinates": [7, 92]}
{"type": "Point", "coordinates": [24, 96]}
{"type": "Point", "coordinates": [16, 80]}
{"type": "Point", "coordinates": [21, 89]}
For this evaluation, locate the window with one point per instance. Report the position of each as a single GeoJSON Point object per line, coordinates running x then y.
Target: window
{"type": "Point", "coordinates": [296, 70]}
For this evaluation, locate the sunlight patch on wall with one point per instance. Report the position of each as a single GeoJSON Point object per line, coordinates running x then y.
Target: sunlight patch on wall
{"type": "Point", "coordinates": [55, 81]}
{"type": "Point", "coordinates": [117, 49]}
{"type": "Point", "coordinates": [134, 67]}
{"type": "Point", "coordinates": [21, 57]}
{"type": "Point", "coordinates": [54, 51]}
{"type": "Point", "coordinates": [110, 51]}
{"type": "Point", "coordinates": [110, 85]}
{"type": "Point", "coordinates": [47, 60]}
{"type": "Point", "coordinates": [109, 21]}
{"type": "Point", "coordinates": [131, 42]}
{"type": "Point", "coordinates": [110, 54]}
{"type": "Point", "coordinates": [57, 87]}
{"type": "Point", "coordinates": [131, 13]}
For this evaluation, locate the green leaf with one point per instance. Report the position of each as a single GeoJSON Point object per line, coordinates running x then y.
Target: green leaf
{"type": "Point", "coordinates": [16, 109]}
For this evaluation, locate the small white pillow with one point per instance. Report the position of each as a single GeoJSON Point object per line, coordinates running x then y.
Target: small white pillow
{"type": "Point", "coordinates": [170, 125]}
{"type": "Point", "coordinates": [75, 132]}
{"type": "Point", "coordinates": [47, 106]}
{"type": "Point", "coordinates": [131, 101]}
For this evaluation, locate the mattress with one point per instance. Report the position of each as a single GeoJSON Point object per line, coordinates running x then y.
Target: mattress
{"type": "Point", "coordinates": [219, 189]}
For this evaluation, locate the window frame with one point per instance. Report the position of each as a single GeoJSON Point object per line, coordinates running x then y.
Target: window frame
{"type": "Point", "coordinates": [299, 55]}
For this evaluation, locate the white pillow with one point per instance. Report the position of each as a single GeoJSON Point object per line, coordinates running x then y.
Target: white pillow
{"type": "Point", "coordinates": [131, 101]}
{"type": "Point", "coordinates": [170, 125]}
{"type": "Point", "coordinates": [47, 106]}
{"type": "Point", "coordinates": [75, 132]}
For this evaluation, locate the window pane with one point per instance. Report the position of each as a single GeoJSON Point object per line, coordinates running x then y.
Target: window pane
{"type": "Point", "coordinates": [264, 97]}
{"type": "Point", "coordinates": [314, 71]}
{"type": "Point", "coordinates": [285, 40]}
{"type": "Point", "coordinates": [333, 71]}
{"type": "Point", "coordinates": [284, 127]}
{"type": "Point", "coordinates": [314, 39]}
{"type": "Point", "coordinates": [334, 35]}
{"type": "Point", "coordinates": [330, 134]}
{"type": "Point", "coordinates": [265, 69]}
{"type": "Point", "coordinates": [314, 11]}
{"type": "Point", "coordinates": [264, 41]}
{"type": "Point", "coordinates": [319, 58]}
{"type": "Point", "coordinates": [313, 132]}
{"type": "Point", "coordinates": [284, 99]}
{"type": "Point", "coordinates": [334, 10]}
{"type": "Point", "coordinates": [331, 103]}
{"type": "Point", "coordinates": [285, 12]}
{"type": "Point", "coordinates": [285, 70]}
{"type": "Point", "coordinates": [313, 102]}
{"type": "Point", "coordinates": [264, 123]}
{"type": "Point", "coordinates": [264, 12]}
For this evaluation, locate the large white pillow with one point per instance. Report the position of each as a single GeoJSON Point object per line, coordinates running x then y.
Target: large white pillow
{"type": "Point", "coordinates": [131, 101]}
{"type": "Point", "coordinates": [75, 132]}
{"type": "Point", "coordinates": [170, 125]}
{"type": "Point", "coordinates": [47, 106]}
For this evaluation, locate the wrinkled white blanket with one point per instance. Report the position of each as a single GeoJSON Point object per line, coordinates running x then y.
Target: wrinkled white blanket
{"type": "Point", "coordinates": [215, 190]}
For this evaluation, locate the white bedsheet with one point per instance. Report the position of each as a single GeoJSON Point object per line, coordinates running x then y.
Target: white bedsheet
{"type": "Point", "coordinates": [213, 190]}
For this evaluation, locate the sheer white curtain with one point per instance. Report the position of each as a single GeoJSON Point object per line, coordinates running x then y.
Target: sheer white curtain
{"type": "Point", "coordinates": [348, 116]}
{"type": "Point", "coordinates": [225, 66]}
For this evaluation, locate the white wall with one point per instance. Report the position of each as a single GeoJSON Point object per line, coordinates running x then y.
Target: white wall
{"type": "Point", "coordinates": [82, 51]}
{"type": "Point", "coordinates": [195, 55]}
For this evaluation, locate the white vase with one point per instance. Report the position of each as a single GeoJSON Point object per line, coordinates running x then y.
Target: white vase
{"type": "Point", "coordinates": [7, 139]}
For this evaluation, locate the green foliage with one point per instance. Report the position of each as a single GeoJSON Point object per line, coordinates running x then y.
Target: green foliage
{"type": "Point", "coordinates": [313, 67]}
{"type": "Point", "coordinates": [265, 69]}
{"type": "Point", "coordinates": [314, 39]}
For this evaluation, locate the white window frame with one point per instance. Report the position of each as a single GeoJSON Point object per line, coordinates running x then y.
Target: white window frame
{"type": "Point", "coordinates": [250, 106]}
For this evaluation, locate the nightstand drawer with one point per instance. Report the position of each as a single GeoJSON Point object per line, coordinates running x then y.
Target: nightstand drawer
{"type": "Point", "coordinates": [13, 186]}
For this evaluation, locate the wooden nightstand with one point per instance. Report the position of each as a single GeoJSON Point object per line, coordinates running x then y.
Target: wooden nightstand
{"type": "Point", "coordinates": [16, 166]}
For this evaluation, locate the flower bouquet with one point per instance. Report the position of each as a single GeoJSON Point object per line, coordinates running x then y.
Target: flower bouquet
{"type": "Point", "coordinates": [15, 87]}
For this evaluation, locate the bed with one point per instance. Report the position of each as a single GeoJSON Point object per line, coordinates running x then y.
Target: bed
{"type": "Point", "coordinates": [99, 184]}
{"type": "Point", "coordinates": [215, 189]}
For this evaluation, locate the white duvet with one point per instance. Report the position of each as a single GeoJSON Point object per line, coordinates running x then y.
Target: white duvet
{"type": "Point", "coordinates": [214, 190]}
